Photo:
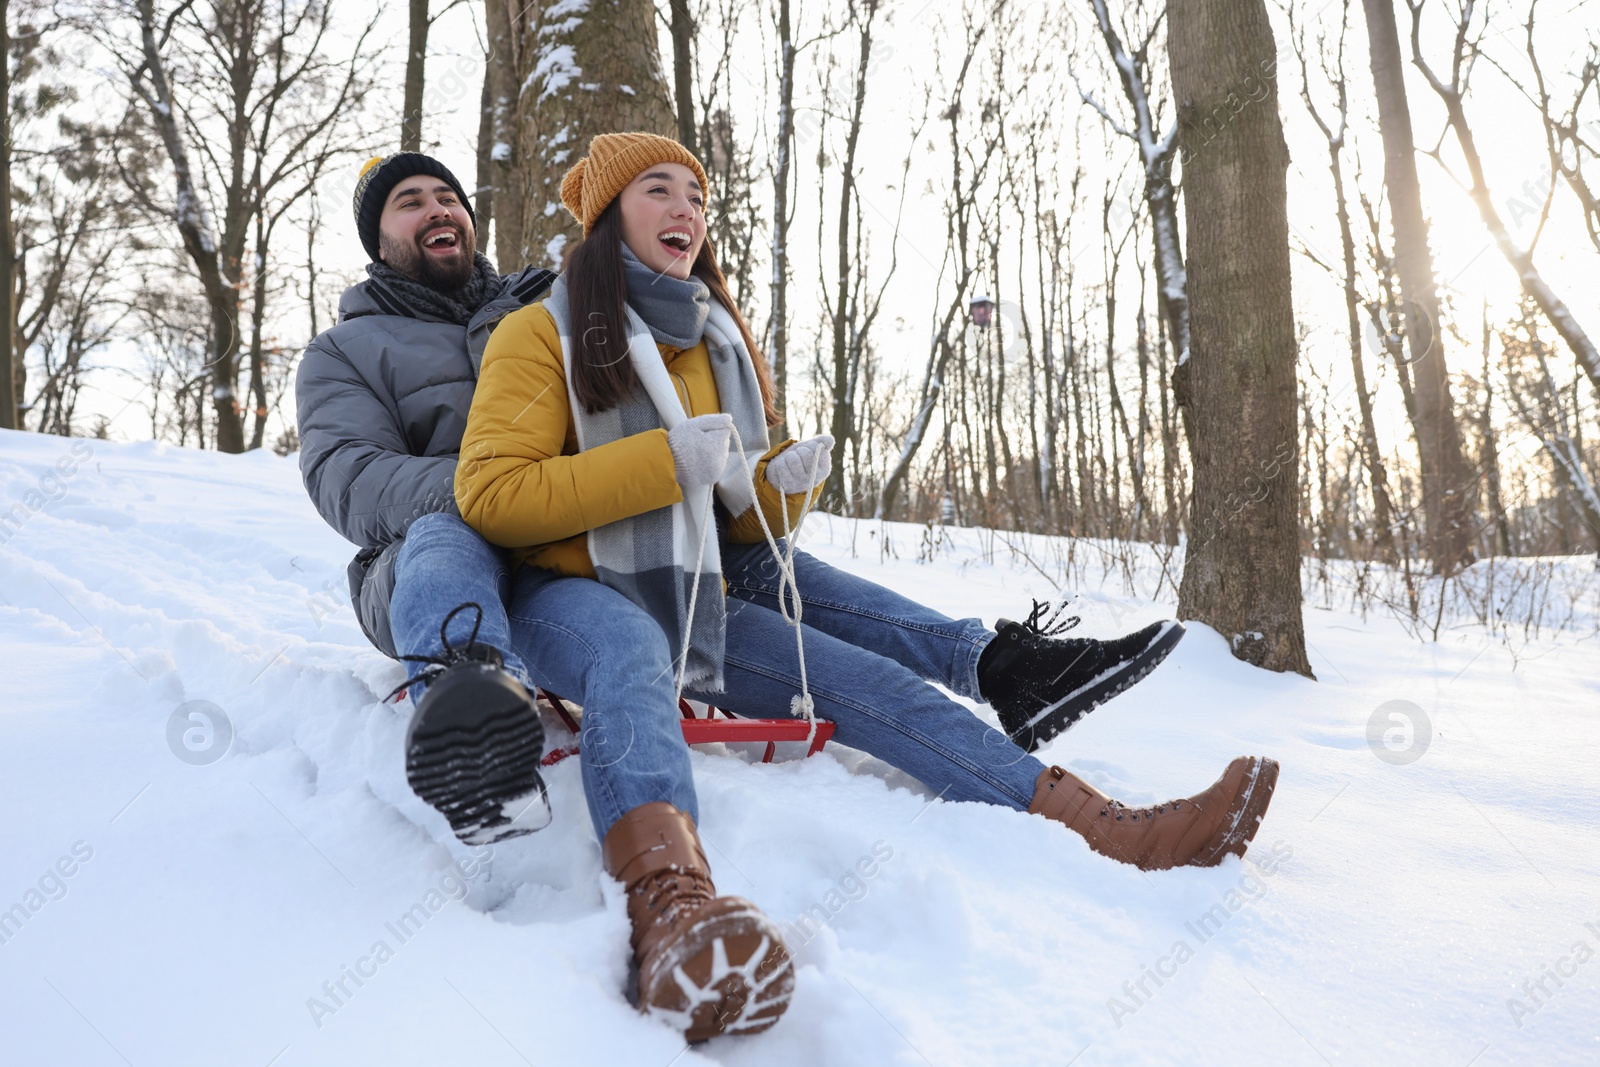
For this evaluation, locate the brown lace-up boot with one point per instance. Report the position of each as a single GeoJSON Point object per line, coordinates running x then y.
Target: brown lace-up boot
{"type": "Point", "coordinates": [1196, 832]}
{"type": "Point", "coordinates": [707, 964]}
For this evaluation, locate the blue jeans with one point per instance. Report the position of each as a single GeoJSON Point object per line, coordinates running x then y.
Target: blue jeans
{"type": "Point", "coordinates": [444, 563]}
{"type": "Point", "coordinates": [588, 643]}
{"type": "Point", "coordinates": [865, 614]}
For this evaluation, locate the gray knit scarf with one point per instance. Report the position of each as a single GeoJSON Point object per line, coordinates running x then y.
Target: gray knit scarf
{"type": "Point", "coordinates": [653, 558]}
{"type": "Point", "coordinates": [421, 301]}
{"type": "Point", "coordinates": [675, 309]}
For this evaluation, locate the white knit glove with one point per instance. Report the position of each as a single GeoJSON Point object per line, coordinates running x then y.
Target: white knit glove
{"type": "Point", "coordinates": [700, 449]}
{"type": "Point", "coordinates": [802, 466]}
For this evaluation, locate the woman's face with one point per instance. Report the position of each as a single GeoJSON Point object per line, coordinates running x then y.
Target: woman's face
{"type": "Point", "coordinates": [664, 218]}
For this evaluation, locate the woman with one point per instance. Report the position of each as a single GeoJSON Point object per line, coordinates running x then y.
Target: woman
{"type": "Point", "coordinates": [617, 440]}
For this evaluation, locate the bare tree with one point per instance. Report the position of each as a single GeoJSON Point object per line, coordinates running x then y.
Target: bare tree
{"type": "Point", "coordinates": [419, 23]}
{"type": "Point", "coordinates": [1241, 575]}
{"type": "Point", "coordinates": [1453, 94]}
{"type": "Point", "coordinates": [1335, 132]}
{"type": "Point", "coordinates": [735, 161]}
{"type": "Point", "coordinates": [8, 253]}
{"type": "Point", "coordinates": [1571, 142]}
{"type": "Point", "coordinates": [1156, 150]}
{"type": "Point", "coordinates": [784, 173]}
{"type": "Point", "coordinates": [973, 155]}
{"type": "Point", "coordinates": [1533, 392]}
{"type": "Point", "coordinates": [1444, 469]}
{"type": "Point", "coordinates": [1490, 457]}
{"type": "Point", "coordinates": [246, 104]}
{"type": "Point", "coordinates": [683, 34]}
{"type": "Point", "coordinates": [75, 245]}
{"type": "Point", "coordinates": [848, 319]}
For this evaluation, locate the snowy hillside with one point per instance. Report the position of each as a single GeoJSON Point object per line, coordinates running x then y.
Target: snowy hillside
{"type": "Point", "coordinates": [271, 892]}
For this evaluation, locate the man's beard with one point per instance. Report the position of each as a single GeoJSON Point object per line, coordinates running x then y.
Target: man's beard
{"type": "Point", "coordinates": [409, 259]}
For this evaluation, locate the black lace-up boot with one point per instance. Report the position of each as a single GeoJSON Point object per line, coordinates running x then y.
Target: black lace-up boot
{"type": "Point", "coordinates": [475, 741]}
{"type": "Point", "coordinates": [1040, 683]}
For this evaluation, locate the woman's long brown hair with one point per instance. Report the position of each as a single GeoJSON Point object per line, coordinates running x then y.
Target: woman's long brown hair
{"type": "Point", "coordinates": [597, 288]}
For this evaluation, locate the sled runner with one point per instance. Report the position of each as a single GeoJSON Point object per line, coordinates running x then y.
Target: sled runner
{"type": "Point", "coordinates": [704, 730]}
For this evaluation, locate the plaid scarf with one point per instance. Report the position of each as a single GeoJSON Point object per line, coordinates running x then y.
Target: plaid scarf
{"type": "Point", "coordinates": [420, 301]}
{"type": "Point", "coordinates": [657, 558]}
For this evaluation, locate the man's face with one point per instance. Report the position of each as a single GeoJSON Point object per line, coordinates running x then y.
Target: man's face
{"type": "Point", "coordinates": [426, 234]}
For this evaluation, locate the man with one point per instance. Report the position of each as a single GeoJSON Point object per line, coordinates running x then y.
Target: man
{"type": "Point", "coordinates": [382, 401]}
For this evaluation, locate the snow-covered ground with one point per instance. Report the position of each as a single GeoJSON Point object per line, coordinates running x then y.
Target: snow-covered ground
{"type": "Point", "coordinates": [267, 891]}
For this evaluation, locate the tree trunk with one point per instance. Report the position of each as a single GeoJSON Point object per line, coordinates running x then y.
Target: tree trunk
{"type": "Point", "coordinates": [1241, 575]}
{"type": "Point", "coordinates": [1382, 507]}
{"type": "Point", "coordinates": [683, 72]}
{"type": "Point", "coordinates": [1445, 477]}
{"type": "Point", "coordinates": [565, 77]}
{"type": "Point", "coordinates": [8, 251]}
{"type": "Point", "coordinates": [416, 72]}
{"type": "Point", "coordinates": [845, 307]}
{"type": "Point", "coordinates": [258, 323]}
{"type": "Point", "coordinates": [504, 60]}
{"type": "Point", "coordinates": [778, 334]}
{"type": "Point", "coordinates": [483, 195]}
{"type": "Point", "coordinates": [1491, 450]}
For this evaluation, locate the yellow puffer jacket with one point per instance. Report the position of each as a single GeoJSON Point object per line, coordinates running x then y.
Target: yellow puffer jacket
{"type": "Point", "coordinates": [521, 481]}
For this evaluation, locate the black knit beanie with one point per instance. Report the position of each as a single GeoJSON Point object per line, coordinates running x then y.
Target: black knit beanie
{"type": "Point", "coordinates": [377, 181]}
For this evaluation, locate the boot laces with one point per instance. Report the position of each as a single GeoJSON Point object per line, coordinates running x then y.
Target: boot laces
{"type": "Point", "coordinates": [1116, 809]}
{"type": "Point", "coordinates": [1046, 621]}
{"type": "Point", "coordinates": [684, 891]}
{"type": "Point", "coordinates": [450, 653]}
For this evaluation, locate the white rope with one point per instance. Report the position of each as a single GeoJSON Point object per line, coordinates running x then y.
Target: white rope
{"type": "Point", "coordinates": [801, 705]}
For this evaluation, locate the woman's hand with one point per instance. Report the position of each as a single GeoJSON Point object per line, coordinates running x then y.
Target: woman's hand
{"type": "Point", "coordinates": [802, 466]}
{"type": "Point", "coordinates": [700, 449]}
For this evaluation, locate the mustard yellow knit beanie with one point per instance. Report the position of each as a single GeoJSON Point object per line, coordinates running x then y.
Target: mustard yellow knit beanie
{"type": "Point", "coordinates": [613, 161]}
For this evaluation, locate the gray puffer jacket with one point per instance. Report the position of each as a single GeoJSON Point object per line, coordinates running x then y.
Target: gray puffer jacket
{"type": "Point", "coordinates": [382, 401]}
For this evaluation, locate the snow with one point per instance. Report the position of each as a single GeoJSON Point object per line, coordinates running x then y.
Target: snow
{"type": "Point", "coordinates": [189, 214]}
{"type": "Point", "coordinates": [554, 248]}
{"type": "Point", "coordinates": [557, 66]}
{"type": "Point", "coordinates": [211, 855]}
{"type": "Point", "coordinates": [501, 152]}
{"type": "Point", "coordinates": [564, 16]}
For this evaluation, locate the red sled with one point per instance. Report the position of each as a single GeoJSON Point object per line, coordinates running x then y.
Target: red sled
{"type": "Point", "coordinates": [710, 728]}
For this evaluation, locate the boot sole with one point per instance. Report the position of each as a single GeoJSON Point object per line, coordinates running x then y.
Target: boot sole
{"type": "Point", "coordinates": [1051, 721]}
{"type": "Point", "coordinates": [474, 754]}
{"type": "Point", "coordinates": [1244, 815]}
{"type": "Point", "coordinates": [730, 974]}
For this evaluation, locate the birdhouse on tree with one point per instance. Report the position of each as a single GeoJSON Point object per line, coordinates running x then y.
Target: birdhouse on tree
{"type": "Point", "coordinates": [982, 309]}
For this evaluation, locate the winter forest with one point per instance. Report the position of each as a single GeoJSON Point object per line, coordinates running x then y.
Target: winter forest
{"type": "Point", "coordinates": [966, 233]}
{"type": "Point", "coordinates": [1277, 317]}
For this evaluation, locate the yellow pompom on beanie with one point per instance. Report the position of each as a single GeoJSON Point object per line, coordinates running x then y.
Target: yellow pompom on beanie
{"type": "Point", "coordinates": [614, 160]}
